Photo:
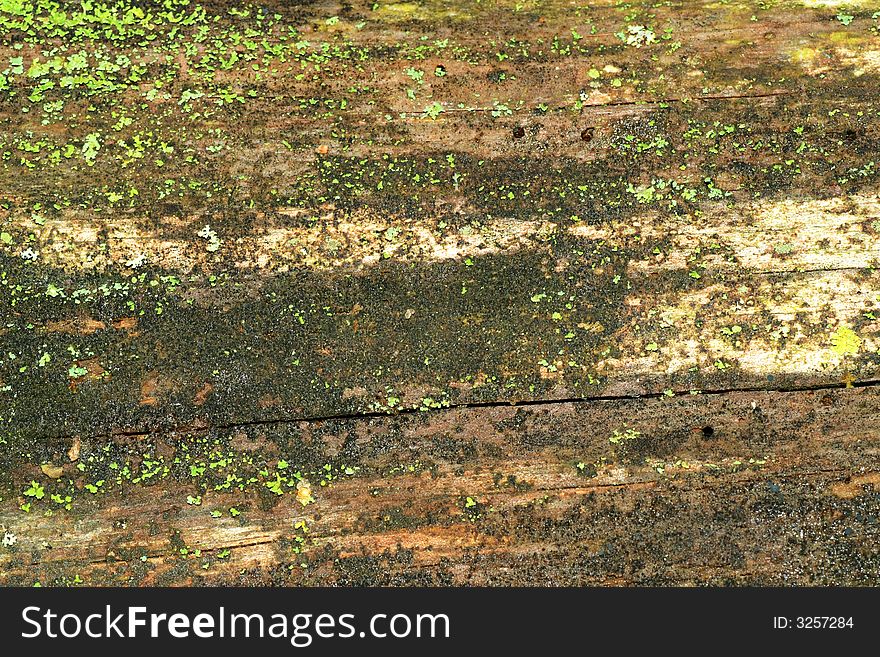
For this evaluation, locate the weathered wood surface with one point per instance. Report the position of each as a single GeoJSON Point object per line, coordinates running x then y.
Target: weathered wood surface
{"type": "Point", "coordinates": [449, 293]}
{"type": "Point", "coordinates": [757, 488]}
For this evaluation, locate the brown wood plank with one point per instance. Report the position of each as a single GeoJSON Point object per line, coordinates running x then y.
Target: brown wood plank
{"type": "Point", "coordinates": [428, 258]}
{"type": "Point", "coordinates": [735, 487]}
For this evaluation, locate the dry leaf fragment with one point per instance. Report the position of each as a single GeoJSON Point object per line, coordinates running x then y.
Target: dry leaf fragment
{"type": "Point", "coordinates": [52, 471]}
{"type": "Point", "coordinates": [73, 452]}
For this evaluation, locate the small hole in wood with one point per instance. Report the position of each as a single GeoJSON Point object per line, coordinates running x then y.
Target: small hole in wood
{"type": "Point", "coordinates": [708, 432]}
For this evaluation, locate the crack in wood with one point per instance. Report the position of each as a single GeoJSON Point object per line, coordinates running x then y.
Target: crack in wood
{"type": "Point", "coordinates": [870, 383]}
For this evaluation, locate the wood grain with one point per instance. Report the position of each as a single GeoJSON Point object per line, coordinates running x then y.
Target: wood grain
{"type": "Point", "coordinates": [439, 293]}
